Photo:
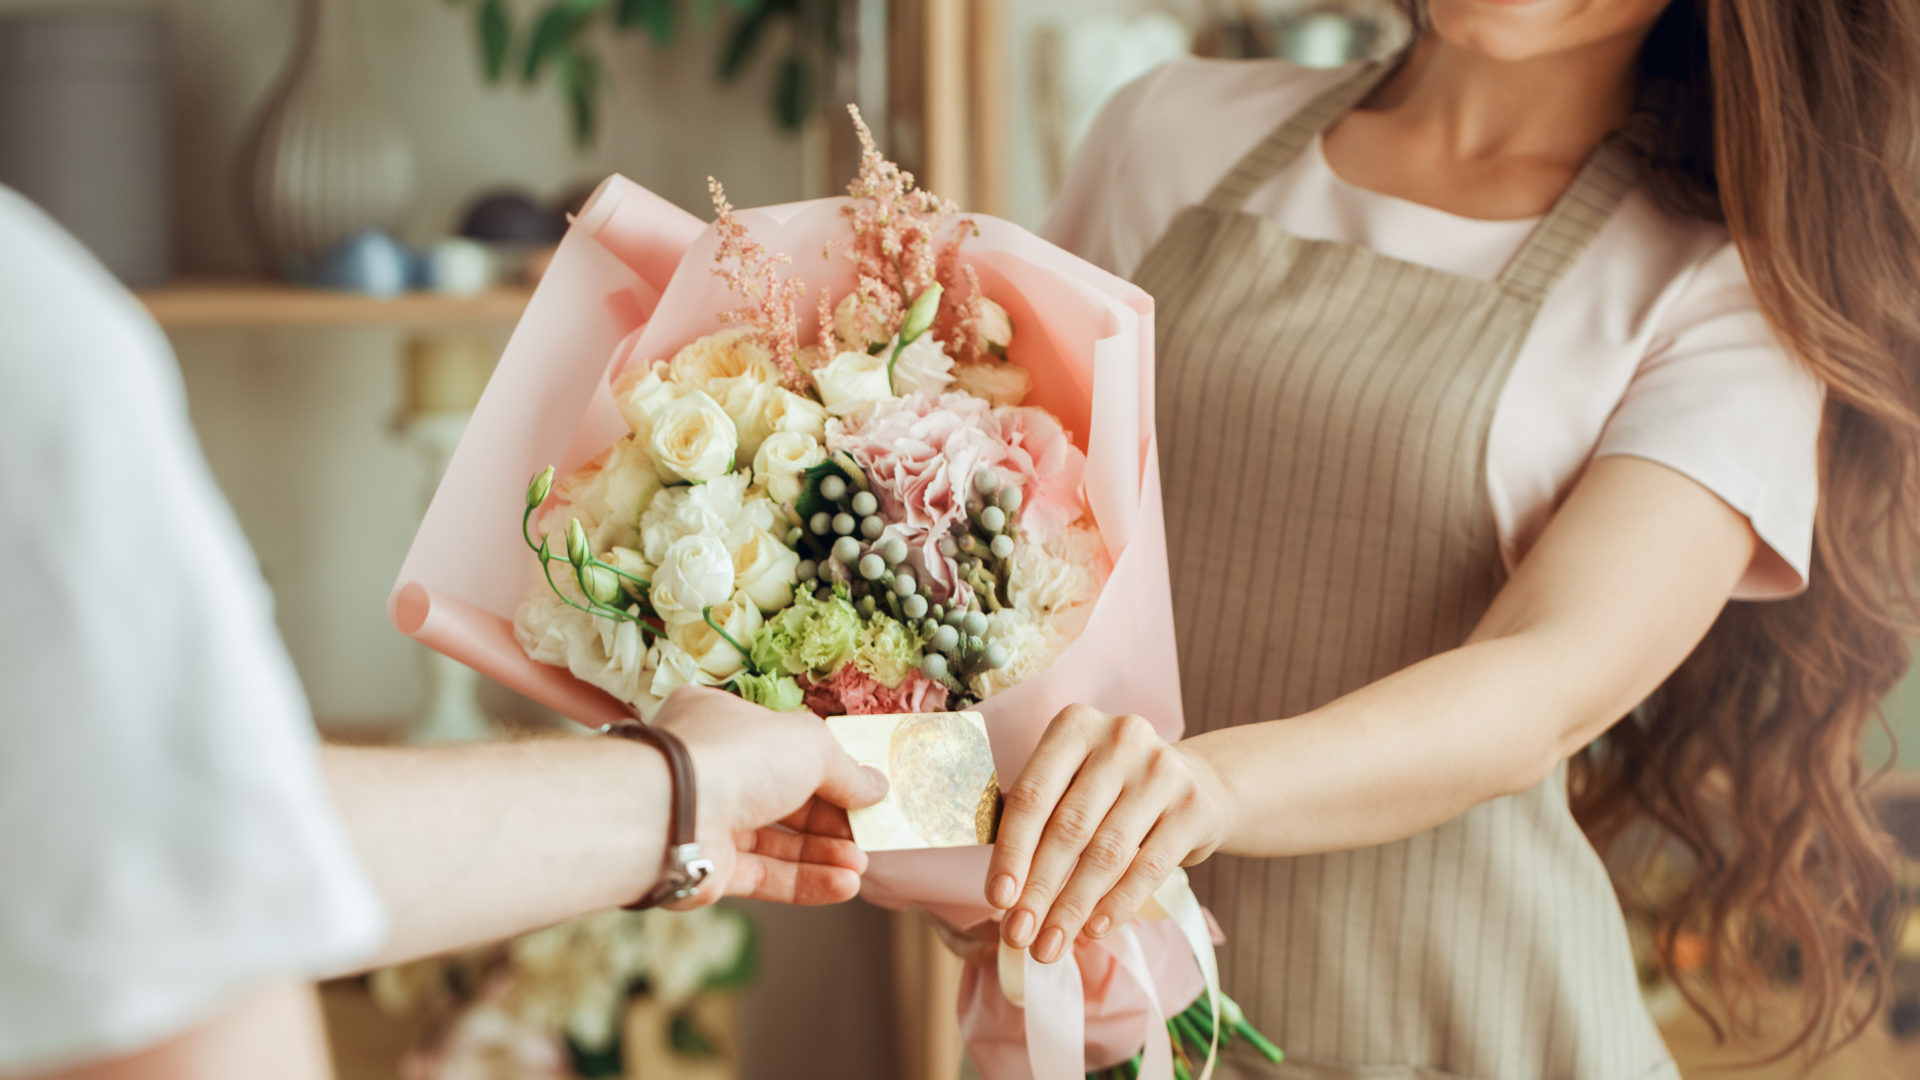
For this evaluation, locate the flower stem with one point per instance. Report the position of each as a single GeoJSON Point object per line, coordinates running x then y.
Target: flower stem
{"type": "Point", "coordinates": [707, 614]}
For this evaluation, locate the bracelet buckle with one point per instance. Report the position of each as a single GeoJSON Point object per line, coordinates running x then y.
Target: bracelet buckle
{"type": "Point", "coordinates": [688, 869]}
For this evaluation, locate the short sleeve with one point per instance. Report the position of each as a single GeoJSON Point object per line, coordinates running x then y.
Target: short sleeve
{"type": "Point", "coordinates": [166, 839]}
{"type": "Point", "coordinates": [1088, 218]}
{"type": "Point", "coordinates": [1718, 399]}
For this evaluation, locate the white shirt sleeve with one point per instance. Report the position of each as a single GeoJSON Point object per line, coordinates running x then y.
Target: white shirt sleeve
{"type": "Point", "coordinates": [1719, 399]}
{"type": "Point", "coordinates": [165, 835]}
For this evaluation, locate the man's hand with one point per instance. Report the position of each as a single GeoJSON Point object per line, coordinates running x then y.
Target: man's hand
{"type": "Point", "coordinates": [774, 794]}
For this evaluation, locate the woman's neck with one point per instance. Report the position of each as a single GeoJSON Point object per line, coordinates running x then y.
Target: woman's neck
{"type": "Point", "coordinates": [1458, 131]}
{"type": "Point", "coordinates": [1474, 107]}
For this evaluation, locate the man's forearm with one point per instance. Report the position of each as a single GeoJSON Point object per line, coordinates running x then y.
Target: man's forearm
{"type": "Point", "coordinates": [470, 844]}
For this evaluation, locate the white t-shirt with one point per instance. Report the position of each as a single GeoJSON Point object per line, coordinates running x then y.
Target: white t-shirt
{"type": "Point", "coordinates": [165, 836]}
{"type": "Point", "coordinates": [1652, 346]}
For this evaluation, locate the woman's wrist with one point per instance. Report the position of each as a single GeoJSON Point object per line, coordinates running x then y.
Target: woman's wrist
{"type": "Point", "coordinates": [1216, 790]}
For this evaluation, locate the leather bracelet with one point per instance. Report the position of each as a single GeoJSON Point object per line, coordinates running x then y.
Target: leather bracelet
{"type": "Point", "coordinates": [686, 867]}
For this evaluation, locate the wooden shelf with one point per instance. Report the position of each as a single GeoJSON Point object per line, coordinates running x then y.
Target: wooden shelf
{"type": "Point", "coordinates": [242, 303]}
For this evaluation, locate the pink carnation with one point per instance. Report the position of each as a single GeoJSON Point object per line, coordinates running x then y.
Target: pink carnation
{"type": "Point", "coordinates": [852, 692]}
{"type": "Point", "coordinates": [921, 453]}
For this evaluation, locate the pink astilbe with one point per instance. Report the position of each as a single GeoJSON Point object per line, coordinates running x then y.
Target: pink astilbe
{"type": "Point", "coordinates": [897, 228]}
{"type": "Point", "coordinates": [958, 324]}
{"type": "Point", "coordinates": [772, 305]}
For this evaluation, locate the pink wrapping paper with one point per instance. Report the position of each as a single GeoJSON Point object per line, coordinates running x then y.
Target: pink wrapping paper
{"type": "Point", "coordinates": [632, 281]}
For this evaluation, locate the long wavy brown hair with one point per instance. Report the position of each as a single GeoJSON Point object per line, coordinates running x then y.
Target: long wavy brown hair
{"type": "Point", "coordinates": [1795, 123]}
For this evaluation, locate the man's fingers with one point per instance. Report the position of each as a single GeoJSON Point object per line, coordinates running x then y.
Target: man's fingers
{"type": "Point", "coordinates": [803, 848]}
{"type": "Point", "coordinates": [845, 782]}
{"type": "Point", "coordinates": [762, 878]}
{"type": "Point", "coordinates": [1031, 800]}
{"type": "Point", "coordinates": [820, 818]}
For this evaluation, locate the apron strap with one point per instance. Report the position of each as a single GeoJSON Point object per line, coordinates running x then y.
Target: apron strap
{"type": "Point", "coordinates": [1553, 247]}
{"type": "Point", "coordinates": [1279, 149]}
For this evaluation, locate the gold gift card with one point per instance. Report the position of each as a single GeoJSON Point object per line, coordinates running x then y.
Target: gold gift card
{"type": "Point", "coordinates": [943, 791]}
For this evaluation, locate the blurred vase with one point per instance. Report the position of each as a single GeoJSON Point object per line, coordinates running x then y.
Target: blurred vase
{"type": "Point", "coordinates": [326, 157]}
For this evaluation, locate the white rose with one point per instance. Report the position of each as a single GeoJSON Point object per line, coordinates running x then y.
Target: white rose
{"type": "Point", "coordinates": [712, 653]}
{"type": "Point", "coordinates": [996, 381]}
{"type": "Point", "coordinates": [765, 570]}
{"type": "Point", "coordinates": [860, 326]}
{"type": "Point", "coordinates": [851, 381]}
{"type": "Point", "coordinates": [782, 463]}
{"type": "Point", "coordinates": [995, 328]}
{"type": "Point", "coordinates": [640, 392]}
{"type": "Point", "coordinates": [730, 354]}
{"type": "Point", "coordinates": [673, 667]}
{"type": "Point", "coordinates": [694, 438]}
{"type": "Point", "coordinates": [696, 574]}
{"type": "Point", "coordinates": [922, 368]}
{"type": "Point", "coordinates": [798, 414]}
{"type": "Point", "coordinates": [761, 409]}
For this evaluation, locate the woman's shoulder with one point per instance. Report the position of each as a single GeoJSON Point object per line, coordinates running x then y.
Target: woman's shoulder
{"type": "Point", "coordinates": [1195, 99]}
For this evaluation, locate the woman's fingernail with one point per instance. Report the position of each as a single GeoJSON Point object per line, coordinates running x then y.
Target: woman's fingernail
{"type": "Point", "coordinates": [1099, 926]}
{"type": "Point", "coordinates": [1001, 893]}
{"type": "Point", "coordinates": [1048, 948]}
{"type": "Point", "coordinates": [1020, 927]}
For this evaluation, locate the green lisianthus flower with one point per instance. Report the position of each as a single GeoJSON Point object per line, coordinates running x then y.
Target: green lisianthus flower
{"type": "Point", "coordinates": [811, 636]}
{"type": "Point", "coordinates": [888, 652]}
{"type": "Point", "coordinates": [777, 692]}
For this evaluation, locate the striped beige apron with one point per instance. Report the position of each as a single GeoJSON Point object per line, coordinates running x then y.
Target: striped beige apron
{"type": "Point", "coordinates": [1323, 418]}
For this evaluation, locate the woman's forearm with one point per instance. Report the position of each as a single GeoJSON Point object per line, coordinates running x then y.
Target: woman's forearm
{"type": "Point", "coordinates": [1395, 758]}
{"type": "Point", "coordinates": [470, 844]}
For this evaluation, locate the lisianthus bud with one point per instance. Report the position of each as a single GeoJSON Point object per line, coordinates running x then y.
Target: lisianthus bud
{"type": "Point", "coordinates": [538, 489]}
{"type": "Point", "coordinates": [601, 585]}
{"type": "Point", "coordinates": [577, 551]}
{"type": "Point", "coordinates": [920, 316]}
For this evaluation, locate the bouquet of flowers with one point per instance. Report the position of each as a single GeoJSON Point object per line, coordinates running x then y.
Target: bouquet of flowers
{"type": "Point", "coordinates": [873, 523]}
{"type": "Point", "coordinates": [594, 996]}
{"type": "Point", "coordinates": [840, 481]}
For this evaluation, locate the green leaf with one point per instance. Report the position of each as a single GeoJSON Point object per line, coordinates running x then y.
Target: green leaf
{"type": "Point", "coordinates": [551, 32]}
{"type": "Point", "coordinates": [580, 76]}
{"type": "Point", "coordinates": [658, 17]}
{"type": "Point", "coordinates": [737, 50]}
{"type": "Point", "coordinates": [811, 501]}
{"type": "Point", "coordinates": [793, 92]}
{"type": "Point", "coordinates": [496, 37]}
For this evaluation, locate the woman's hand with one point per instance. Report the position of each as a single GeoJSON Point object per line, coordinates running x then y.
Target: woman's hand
{"type": "Point", "coordinates": [757, 769]}
{"type": "Point", "coordinates": [1102, 814]}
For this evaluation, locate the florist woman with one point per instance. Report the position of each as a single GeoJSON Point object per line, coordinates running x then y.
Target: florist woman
{"type": "Point", "coordinates": [1487, 378]}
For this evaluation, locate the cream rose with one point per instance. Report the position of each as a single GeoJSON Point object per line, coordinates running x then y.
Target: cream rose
{"type": "Point", "coordinates": [711, 653]}
{"type": "Point", "coordinates": [765, 570]}
{"type": "Point", "coordinates": [720, 509]}
{"type": "Point", "coordinates": [673, 667]}
{"type": "Point", "coordinates": [694, 439]}
{"type": "Point", "coordinates": [851, 381]}
{"type": "Point", "coordinates": [696, 574]}
{"type": "Point", "coordinates": [922, 368]}
{"type": "Point", "coordinates": [640, 392]}
{"type": "Point", "coordinates": [733, 353]}
{"type": "Point", "coordinates": [781, 465]}
{"type": "Point", "coordinates": [994, 381]}
{"type": "Point", "coordinates": [795, 413]}
{"type": "Point", "coordinates": [994, 327]}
